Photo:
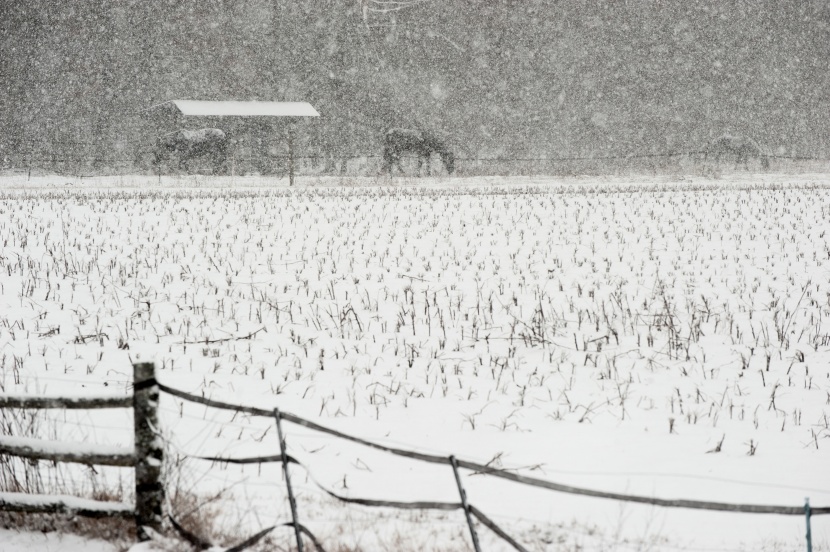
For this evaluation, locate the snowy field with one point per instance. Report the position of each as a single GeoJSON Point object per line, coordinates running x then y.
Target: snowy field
{"type": "Point", "coordinates": [656, 337]}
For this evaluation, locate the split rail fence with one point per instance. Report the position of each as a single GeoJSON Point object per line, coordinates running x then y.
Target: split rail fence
{"type": "Point", "coordinates": [146, 457]}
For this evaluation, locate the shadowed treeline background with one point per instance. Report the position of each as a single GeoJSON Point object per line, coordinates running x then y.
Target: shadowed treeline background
{"type": "Point", "coordinates": [533, 78]}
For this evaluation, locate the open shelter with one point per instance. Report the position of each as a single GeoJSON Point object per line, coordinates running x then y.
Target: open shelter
{"type": "Point", "coordinates": [256, 129]}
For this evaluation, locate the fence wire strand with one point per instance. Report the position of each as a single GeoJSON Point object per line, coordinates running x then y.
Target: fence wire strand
{"type": "Point", "coordinates": [488, 470]}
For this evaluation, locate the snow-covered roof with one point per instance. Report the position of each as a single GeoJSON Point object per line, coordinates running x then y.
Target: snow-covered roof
{"type": "Point", "coordinates": [244, 109]}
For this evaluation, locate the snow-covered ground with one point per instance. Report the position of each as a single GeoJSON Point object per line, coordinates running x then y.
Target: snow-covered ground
{"type": "Point", "coordinates": [658, 337]}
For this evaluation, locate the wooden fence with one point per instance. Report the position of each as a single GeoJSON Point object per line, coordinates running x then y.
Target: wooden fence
{"type": "Point", "coordinates": [147, 459]}
{"type": "Point", "coordinates": [146, 456]}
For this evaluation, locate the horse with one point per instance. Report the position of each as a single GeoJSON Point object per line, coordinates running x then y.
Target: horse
{"type": "Point", "coordinates": [741, 147]}
{"type": "Point", "coordinates": [399, 141]}
{"type": "Point", "coordinates": [191, 144]}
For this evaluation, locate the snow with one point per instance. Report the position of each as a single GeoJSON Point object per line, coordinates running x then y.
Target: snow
{"type": "Point", "coordinates": [71, 502]}
{"type": "Point", "coordinates": [63, 447]}
{"type": "Point", "coordinates": [25, 541]}
{"type": "Point", "coordinates": [244, 109]}
{"type": "Point", "coordinates": [601, 333]}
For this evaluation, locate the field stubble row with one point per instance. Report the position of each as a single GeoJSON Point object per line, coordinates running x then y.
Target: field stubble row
{"type": "Point", "coordinates": [698, 315]}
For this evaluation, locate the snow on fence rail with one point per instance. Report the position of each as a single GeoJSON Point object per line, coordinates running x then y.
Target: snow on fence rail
{"type": "Point", "coordinates": [63, 451]}
{"type": "Point", "coordinates": [147, 455]}
{"type": "Point", "coordinates": [63, 504]}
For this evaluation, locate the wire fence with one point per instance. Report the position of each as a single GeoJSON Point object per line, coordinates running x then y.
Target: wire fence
{"type": "Point", "coordinates": [75, 160]}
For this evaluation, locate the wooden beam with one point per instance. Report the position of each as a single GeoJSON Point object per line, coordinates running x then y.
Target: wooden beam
{"type": "Point", "coordinates": [61, 504]}
{"type": "Point", "coordinates": [25, 401]}
{"type": "Point", "coordinates": [63, 451]}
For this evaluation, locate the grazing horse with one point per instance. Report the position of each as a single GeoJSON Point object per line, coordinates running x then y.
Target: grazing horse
{"type": "Point", "coordinates": [191, 144]}
{"type": "Point", "coordinates": [399, 141]}
{"type": "Point", "coordinates": [741, 147]}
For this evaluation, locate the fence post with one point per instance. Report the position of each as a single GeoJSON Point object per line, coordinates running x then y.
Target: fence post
{"type": "Point", "coordinates": [291, 501]}
{"type": "Point", "coordinates": [290, 156]}
{"type": "Point", "coordinates": [31, 156]}
{"type": "Point", "coordinates": [808, 513]}
{"type": "Point", "coordinates": [149, 454]}
{"type": "Point", "coordinates": [466, 506]}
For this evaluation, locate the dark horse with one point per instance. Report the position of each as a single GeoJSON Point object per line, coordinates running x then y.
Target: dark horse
{"type": "Point", "coordinates": [399, 141]}
{"type": "Point", "coordinates": [741, 147]}
{"type": "Point", "coordinates": [210, 143]}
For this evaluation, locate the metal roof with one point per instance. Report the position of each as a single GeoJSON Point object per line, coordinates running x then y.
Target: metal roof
{"type": "Point", "coordinates": [199, 108]}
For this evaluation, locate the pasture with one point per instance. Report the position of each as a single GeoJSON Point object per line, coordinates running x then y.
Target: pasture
{"type": "Point", "coordinates": [661, 338]}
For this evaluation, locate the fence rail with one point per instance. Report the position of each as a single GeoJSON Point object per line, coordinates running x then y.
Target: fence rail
{"type": "Point", "coordinates": [147, 458]}
{"type": "Point", "coordinates": [63, 451]}
{"type": "Point", "coordinates": [81, 403]}
{"type": "Point", "coordinates": [63, 504]}
{"type": "Point", "coordinates": [488, 470]}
